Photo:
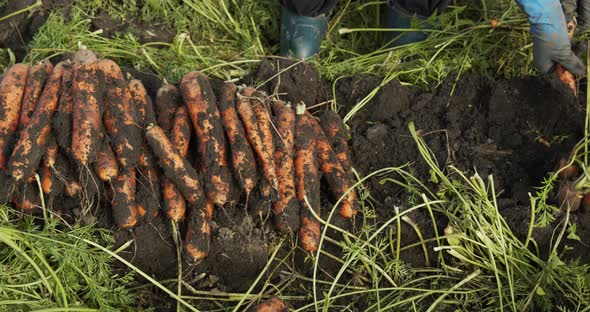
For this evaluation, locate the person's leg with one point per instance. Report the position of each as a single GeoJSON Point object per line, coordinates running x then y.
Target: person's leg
{"type": "Point", "coordinates": [303, 26]}
{"type": "Point", "coordinates": [400, 13]}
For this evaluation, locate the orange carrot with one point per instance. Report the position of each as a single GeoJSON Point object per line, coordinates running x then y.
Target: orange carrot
{"type": "Point", "coordinates": [121, 115]}
{"type": "Point", "coordinates": [255, 137]}
{"type": "Point", "coordinates": [143, 102]}
{"type": "Point", "coordinates": [201, 104]}
{"type": "Point", "coordinates": [46, 179]}
{"type": "Point", "coordinates": [30, 148]}
{"type": "Point", "coordinates": [87, 107]}
{"type": "Point", "coordinates": [11, 93]}
{"type": "Point", "coordinates": [174, 203]}
{"type": "Point", "coordinates": [336, 134]}
{"type": "Point", "coordinates": [198, 233]}
{"type": "Point", "coordinates": [286, 208]}
{"type": "Point", "coordinates": [62, 119]}
{"type": "Point", "coordinates": [273, 304]}
{"type": "Point", "coordinates": [167, 101]}
{"type": "Point", "coordinates": [175, 167]}
{"type": "Point", "coordinates": [243, 161]}
{"type": "Point", "coordinates": [106, 165]}
{"type": "Point", "coordinates": [307, 180]}
{"type": "Point", "coordinates": [35, 81]}
{"type": "Point", "coordinates": [339, 180]}
{"type": "Point", "coordinates": [123, 206]}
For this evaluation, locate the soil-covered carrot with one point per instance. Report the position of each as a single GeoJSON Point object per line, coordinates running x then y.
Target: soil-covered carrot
{"type": "Point", "coordinates": [255, 137]}
{"type": "Point", "coordinates": [86, 107]}
{"type": "Point", "coordinates": [286, 208]}
{"type": "Point", "coordinates": [145, 108]}
{"type": "Point", "coordinates": [273, 304]}
{"type": "Point", "coordinates": [339, 180]}
{"type": "Point", "coordinates": [62, 119]}
{"type": "Point", "coordinates": [35, 81]}
{"type": "Point", "coordinates": [121, 115]}
{"type": "Point", "coordinates": [198, 232]}
{"type": "Point", "coordinates": [259, 105]}
{"type": "Point", "coordinates": [46, 179]}
{"type": "Point", "coordinates": [51, 152]}
{"type": "Point", "coordinates": [174, 166]}
{"type": "Point", "coordinates": [336, 134]}
{"type": "Point", "coordinates": [307, 180]}
{"type": "Point", "coordinates": [106, 165]}
{"type": "Point", "coordinates": [167, 101]}
{"type": "Point", "coordinates": [174, 203]}
{"type": "Point", "coordinates": [31, 144]}
{"type": "Point", "coordinates": [123, 206]}
{"type": "Point", "coordinates": [243, 161]}
{"type": "Point", "coordinates": [563, 74]}
{"type": "Point", "coordinates": [11, 94]}
{"type": "Point", "coordinates": [148, 191]}
{"type": "Point", "coordinates": [277, 106]}
{"type": "Point", "coordinates": [202, 107]}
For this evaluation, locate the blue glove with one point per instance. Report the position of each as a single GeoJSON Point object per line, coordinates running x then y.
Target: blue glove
{"type": "Point", "coordinates": [550, 38]}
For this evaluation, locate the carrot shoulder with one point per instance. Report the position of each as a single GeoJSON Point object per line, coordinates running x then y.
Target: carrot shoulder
{"type": "Point", "coordinates": [307, 180]}
{"type": "Point", "coordinates": [30, 148]}
{"type": "Point", "coordinates": [273, 304]}
{"type": "Point", "coordinates": [202, 107]}
{"type": "Point", "coordinates": [11, 93]}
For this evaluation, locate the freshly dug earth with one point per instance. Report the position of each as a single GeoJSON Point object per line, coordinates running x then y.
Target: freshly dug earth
{"type": "Point", "coordinates": [493, 127]}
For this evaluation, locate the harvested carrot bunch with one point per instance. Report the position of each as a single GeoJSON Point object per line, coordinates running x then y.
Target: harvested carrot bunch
{"type": "Point", "coordinates": [92, 132]}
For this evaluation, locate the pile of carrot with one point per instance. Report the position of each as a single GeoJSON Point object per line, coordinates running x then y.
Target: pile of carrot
{"type": "Point", "coordinates": [82, 126]}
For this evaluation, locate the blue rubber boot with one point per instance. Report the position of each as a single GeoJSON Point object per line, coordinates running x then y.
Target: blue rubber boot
{"type": "Point", "coordinates": [397, 17]}
{"type": "Point", "coordinates": [301, 36]}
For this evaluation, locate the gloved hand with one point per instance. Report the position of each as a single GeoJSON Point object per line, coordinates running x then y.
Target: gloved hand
{"type": "Point", "coordinates": [550, 38]}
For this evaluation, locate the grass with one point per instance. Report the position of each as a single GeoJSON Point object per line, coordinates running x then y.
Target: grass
{"type": "Point", "coordinates": [477, 263]}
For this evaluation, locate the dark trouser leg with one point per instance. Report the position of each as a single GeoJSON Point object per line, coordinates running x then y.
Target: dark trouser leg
{"type": "Point", "coordinates": [311, 8]}
{"type": "Point", "coordinates": [303, 26]}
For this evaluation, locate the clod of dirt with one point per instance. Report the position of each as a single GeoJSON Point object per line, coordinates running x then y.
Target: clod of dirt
{"type": "Point", "coordinates": [237, 256]}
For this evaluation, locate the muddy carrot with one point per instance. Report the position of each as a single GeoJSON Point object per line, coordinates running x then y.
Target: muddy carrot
{"type": "Point", "coordinates": [563, 74]}
{"type": "Point", "coordinates": [259, 105]}
{"type": "Point", "coordinates": [255, 137]}
{"type": "Point", "coordinates": [243, 161]}
{"type": "Point", "coordinates": [336, 134]}
{"type": "Point", "coordinates": [35, 80]}
{"type": "Point", "coordinates": [273, 304]}
{"type": "Point", "coordinates": [307, 181]}
{"type": "Point", "coordinates": [202, 107]}
{"type": "Point", "coordinates": [198, 233]}
{"type": "Point", "coordinates": [106, 165]}
{"type": "Point", "coordinates": [286, 208]}
{"type": "Point", "coordinates": [11, 93]}
{"type": "Point", "coordinates": [31, 144]}
{"type": "Point", "coordinates": [120, 116]}
{"type": "Point", "coordinates": [174, 166]}
{"type": "Point", "coordinates": [51, 152]}
{"type": "Point", "coordinates": [123, 206]}
{"type": "Point", "coordinates": [277, 106]}
{"type": "Point", "coordinates": [46, 179]}
{"type": "Point", "coordinates": [174, 203]}
{"type": "Point", "coordinates": [87, 107]}
{"type": "Point", "coordinates": [338, 179]}
{"type": "Point", "coordinates": [167, 101]}
{"type": "Point", "coordinates": [143, 102]}
{"type": "Point", "coordinates": [62, 119]}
